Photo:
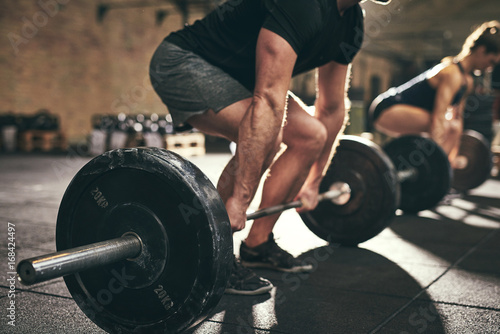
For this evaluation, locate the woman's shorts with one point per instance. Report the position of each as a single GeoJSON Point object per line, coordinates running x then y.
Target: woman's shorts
{"type": "Point", "coordinates": [388, 99]}
{"type": "Point", "coordinates": [381, 103]}
{"type": "Point", "coordinates": [189, 85]}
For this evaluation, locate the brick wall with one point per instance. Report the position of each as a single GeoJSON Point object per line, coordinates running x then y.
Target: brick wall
{"type": "Point", "coordinates": [56, 55]}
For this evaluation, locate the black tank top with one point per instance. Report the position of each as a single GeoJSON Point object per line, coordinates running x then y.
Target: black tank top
{"type": "Point", "coordinates": [418, 92]}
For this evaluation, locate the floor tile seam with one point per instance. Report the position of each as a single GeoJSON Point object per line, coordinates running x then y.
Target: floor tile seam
{"type": "Point", "coordinates": [452, 266]}
{"type": "Point", "coordinates": [445, 243]}
{"type": "Point", "coordinates": [267, 330]}
{"type": "Point", "coordinates": [397, 312]}
{"type": "Point", "coordinates": [474, 248]}
{"type": "Point", "coordinates": [422, 264]}
{"type": "Point", "coordinates": [31, 248]}
{"type": "Point", "coordinates": [37, 292]}
{"type": "Point", "coordinates": [362, 292]}
{"type": "Point", "coordinates": [495, 274]}
{"type": "Point", "coordinates": [449, 244]}
{"type": "Point", "coordinates": [373, 293]}
{"type": "Point", "coordinates": [441, 302]}
{"type": "Point", "coordinates": [27, 221]}
{"type": "Point", "coordinates": [49, 201]}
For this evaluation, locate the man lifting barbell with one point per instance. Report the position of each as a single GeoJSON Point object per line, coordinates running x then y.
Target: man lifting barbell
{"type": "Point", "coordinates": [433, 101]}
{"type": "Point", "coordinates": [228, 75]}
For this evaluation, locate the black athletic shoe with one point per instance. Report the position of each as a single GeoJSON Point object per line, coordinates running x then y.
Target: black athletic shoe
{"type": "Point", "coordinates": [244, 281]}
{"type": "Point", "coordinates": [270, 255]}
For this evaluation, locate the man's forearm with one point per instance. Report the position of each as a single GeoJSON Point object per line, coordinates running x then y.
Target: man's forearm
{"type": "Point", "coordinates": [335, 122]}
{"type": "Point", "coordinates": [257, 143]}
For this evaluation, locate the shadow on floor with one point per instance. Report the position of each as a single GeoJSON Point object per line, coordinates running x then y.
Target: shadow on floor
{"type": "Point", "coordinates": [351, 290]}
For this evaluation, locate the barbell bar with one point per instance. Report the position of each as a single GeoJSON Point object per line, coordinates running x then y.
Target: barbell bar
{"type": "Point", "coordinates": [67, 262]}
{"type": "Point", "coordinates": [337, 190]}
{"type": "Point", "coordinates": [334, 194]}
{"type": "Point", "coordinates": [46, 267]}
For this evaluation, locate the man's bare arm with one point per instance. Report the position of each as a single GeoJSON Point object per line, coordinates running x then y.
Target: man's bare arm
{"type": "Point", "coordinates": [330, 110]}
{"type": "Point", "coordinates": [260, 129]}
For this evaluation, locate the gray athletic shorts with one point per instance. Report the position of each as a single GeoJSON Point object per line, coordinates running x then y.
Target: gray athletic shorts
{"type": "Point", "coordinates": [189, 85]}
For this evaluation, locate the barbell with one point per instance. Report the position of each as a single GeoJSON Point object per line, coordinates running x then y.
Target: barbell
{"type": "Point", "coordinates": [411, 173]}
{"type": "Point", "coordinates": [144, 241]}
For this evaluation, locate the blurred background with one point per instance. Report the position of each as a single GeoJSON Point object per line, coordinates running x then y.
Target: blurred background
{"type": "Point", "coordinates": [72, 72]}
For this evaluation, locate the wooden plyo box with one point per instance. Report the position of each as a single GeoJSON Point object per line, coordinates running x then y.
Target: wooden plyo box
{"type": "Point", "coordinates": [186, 144]}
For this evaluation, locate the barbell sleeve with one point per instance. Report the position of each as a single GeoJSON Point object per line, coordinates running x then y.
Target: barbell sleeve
{"type": "Point", "coordinates": [71, 261]}
{"type": "Point", "coordinates": [328, 195]}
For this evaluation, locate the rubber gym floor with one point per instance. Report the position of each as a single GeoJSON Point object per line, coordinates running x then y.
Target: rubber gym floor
{"type": "Point", "coordinates": [438, 272]}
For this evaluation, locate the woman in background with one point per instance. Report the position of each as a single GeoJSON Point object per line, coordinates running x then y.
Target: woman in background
{"type": "Point", "coordinates": [433, 102]}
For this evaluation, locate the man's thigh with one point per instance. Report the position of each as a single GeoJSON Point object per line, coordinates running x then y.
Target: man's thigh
{"type": "Point", "coordinates": [224, 123]}
{"type": "Point", "coordinates": [299, 124]}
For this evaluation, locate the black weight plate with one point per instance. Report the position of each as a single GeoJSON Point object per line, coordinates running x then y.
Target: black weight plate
{"type": "Point", "coordinates": [434, 171]}
{"type": "Point", "coordinates": [476, 149]}
{"type": "Point", "coordinates": [374, 194]}
{"type": "Point", "coordinates": [172, 206]}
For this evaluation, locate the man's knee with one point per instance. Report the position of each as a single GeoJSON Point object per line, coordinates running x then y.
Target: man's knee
{"type": "Point", "coordinates": [320, 137]}
{"type": "Point", "coordinates": [312, 139]}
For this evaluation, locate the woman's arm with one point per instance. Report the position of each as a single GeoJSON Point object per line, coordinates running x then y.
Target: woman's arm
{"type": "Point", "coordinates": [443, 123]}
